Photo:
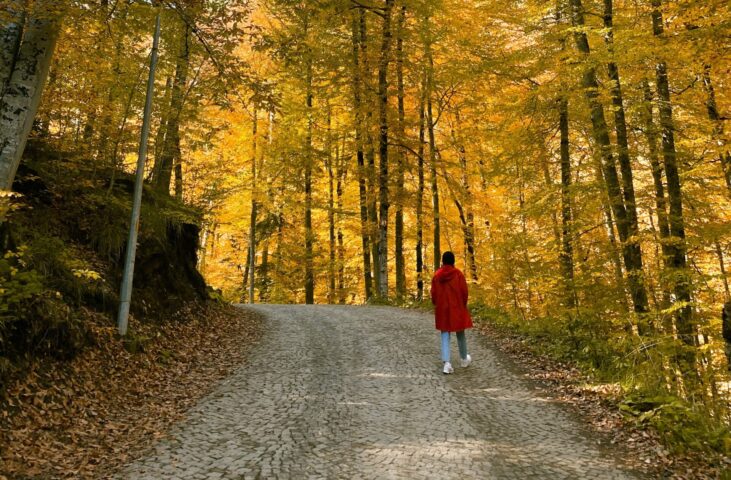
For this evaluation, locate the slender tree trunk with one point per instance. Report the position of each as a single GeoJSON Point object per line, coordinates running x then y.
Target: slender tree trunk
{"type": "Point", "coordinates": [171, 146]}
{"type": "Point", "coordinates": [309, 236]}
{"type": "Point", "coordinates": [245, 283]}
{"type": "Point", "coordinates": [420, 197]}
{"type": "Point", "coordinates": [566, 256]}
{"type": "Point", "coordinates": [715, 117]}
{"type": "Point", "coordinates": [676, 221]}
{"type": "Point", "coordinates": [264, 273]}
{"type": "Point", "coordinates": [383, 151]}
{"type": "Point", "coordinates": [370, 155]}
{"type": "Point", "coordinates": [254, 206]}
{"type": "Point", "coordinates": [330, 209]}
{"type": "Point", "coordinates": [625, 166]}
{"type": "Point", "coordinates": [630, 246]}
{"type": "Point", "coordinates": [22, 95]}
{"type": "Point", "coordinates": [360, 157]}
{"type": "Point", "coordinates": [614, 254]}
{"type": "Point", "coordinates": [432, 144]}
{"type": "Point", "coordinates": [399, 219]}
{"type": "Point", "coordinates": [661, 209]}
{"type": "Point", "coordinates": [722, 267]}
{"type": "Point", "coordinates": [341, 173]}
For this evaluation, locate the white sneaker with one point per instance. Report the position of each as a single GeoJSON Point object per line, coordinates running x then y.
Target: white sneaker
{"type": "Point", "coordinates": [466, 361]}
{"type": "Point", "coordinates": [448, 368]}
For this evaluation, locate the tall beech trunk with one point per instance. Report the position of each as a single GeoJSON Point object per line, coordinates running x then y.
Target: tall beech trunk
{"type": "Point", "coordinates": [566, 257]}
{"type": "Point", "coordinates": [254, 206]}
{"type": "Point", "coordinates": [722, 268]}
{"type": "Point", "coordinates": [420, 197]}
{"type": "Point", "coordinates": [432, 143]}
{"type": "Point", "coordinates": [630, 247]}
{"type": "Point", "coordinates": [676, 221]}
{"type": "Point", "coordinates": [330, 208]}
{"type": "Point", "coordinates": [341, 173]}
{"type": "Point", "coordinates": [614, 249]}
{"type": "Point", "coordinates": [309, 235]}
{"type": "Point", "coordinates": [171, 146]}
{"type": "Point", "coordinates": [400, 154]}
{"type": "Point", "coordinates": [360, 156]}
{"type": "Point", "coordinates": [383, 196]}
{"type": "Point", "coordinates": [724, 156]}
{"type": "Point", "coordinates": [370, 153]}
{"type": "Point", "coordinates": [22, 95]}
{"type": "Point", "coordinates": [625, 167]}
{"type": "Point", "coordinates": [661, 208]}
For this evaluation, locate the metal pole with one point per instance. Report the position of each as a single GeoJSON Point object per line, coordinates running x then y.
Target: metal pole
{"type": "Point", "coordinates": [129, 261]}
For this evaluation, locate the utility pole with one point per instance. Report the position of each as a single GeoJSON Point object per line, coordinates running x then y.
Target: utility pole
{"type": "Point", "coordinates": [129, 260]}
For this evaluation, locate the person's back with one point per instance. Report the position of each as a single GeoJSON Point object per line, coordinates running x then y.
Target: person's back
{"type": "Point", "coordinates": [449, 296]}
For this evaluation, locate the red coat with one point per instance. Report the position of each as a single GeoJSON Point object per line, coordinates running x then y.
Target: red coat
{"type": "Point", "coordinates": [449, 296]}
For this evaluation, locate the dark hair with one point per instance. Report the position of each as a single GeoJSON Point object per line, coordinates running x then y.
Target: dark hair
{"type": "Point", "coordinates": [448, 258]}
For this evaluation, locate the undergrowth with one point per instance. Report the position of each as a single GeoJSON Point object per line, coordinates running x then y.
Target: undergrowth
{"type": "Point", "coordinates": [607, 352]}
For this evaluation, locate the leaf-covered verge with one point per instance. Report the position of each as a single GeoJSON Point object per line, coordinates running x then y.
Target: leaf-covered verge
{"type": "Point", "coordinates": [75, 399]}
{"type": "Point", "coordinates": [62, 242]}
{"type": "Point", "coordinates": [665, 436]}
{"type": "Point", "coordinates": [84, 418]}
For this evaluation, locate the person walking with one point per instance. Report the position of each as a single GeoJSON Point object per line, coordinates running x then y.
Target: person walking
{"type": "Point", "coordinates": [449, 296]}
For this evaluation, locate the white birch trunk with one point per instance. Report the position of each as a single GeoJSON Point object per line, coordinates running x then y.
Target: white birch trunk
{"type": "Point", "coordinates": [25, 87]}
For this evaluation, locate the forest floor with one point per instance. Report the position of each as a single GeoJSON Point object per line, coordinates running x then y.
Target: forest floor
{"type": "Point", "coordinates": [599, 406]}
{"type": "Point", "coordinates": [83, 418]}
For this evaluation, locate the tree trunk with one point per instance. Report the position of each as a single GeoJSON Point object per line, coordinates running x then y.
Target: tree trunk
{"type": "Point", "coordinates": [330, 210]}
{"type": "Point", "coordinates": [360, 157]}
{"type": "Point", "coordinates": [400, 153]}
{"type": "Point", "coordinates": [630, 246]}
{"type": "Point", "coordinates": [11, 33]}
{"type": "Point", "coordinates": [254, 206]}
{"type": "Point", "coordinates": [715, 117]}
{"type": "Point", "coordinates": [341, 174]}
{"type": "Point", "coordinates": [171, 146]}
{"type": "Point", "coordinates": [309, 236]}
{"type": "Point", "coordinates": [370, 155]}
{"type": "Point", "coordinates": [432, 144]}
{"type": "Point", "coordinates": [676, 221]}
{"type": "Point", "coordinates": [625, 166]}
{"type": "Point", "coordinates": [566, 256]}
{"type": "Point", "coordinates": [661, 209]}
{"type": "Point", "coordinates": [420, 198]}
{"type": "Point", "coordinates": [22, 95]}
{"type": "Point", "coordinates": [612, 238]}
{"type": "Point", "coordinates": [383, 151]}
{"type": "Point", "coordinates": [722, 267]}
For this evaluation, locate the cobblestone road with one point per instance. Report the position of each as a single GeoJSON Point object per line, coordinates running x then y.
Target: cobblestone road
{"type": "Point", "coordinates": [357, 392]}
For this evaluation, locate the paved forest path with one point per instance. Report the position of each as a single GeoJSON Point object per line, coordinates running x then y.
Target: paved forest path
{"type": "Point", "coordinates": [357, 392]}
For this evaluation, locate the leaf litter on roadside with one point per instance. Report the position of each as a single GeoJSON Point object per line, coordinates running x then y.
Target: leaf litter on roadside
{"type": "Point", "coordinates": [84, 418]}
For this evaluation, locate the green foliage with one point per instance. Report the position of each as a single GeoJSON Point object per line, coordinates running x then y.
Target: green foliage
{"type": "Point", "coordinates": [19, 284]}
{"type": "Point", "coordinates": [684, 426]}
{"type": "Point", "coordinates": [607, 351]}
